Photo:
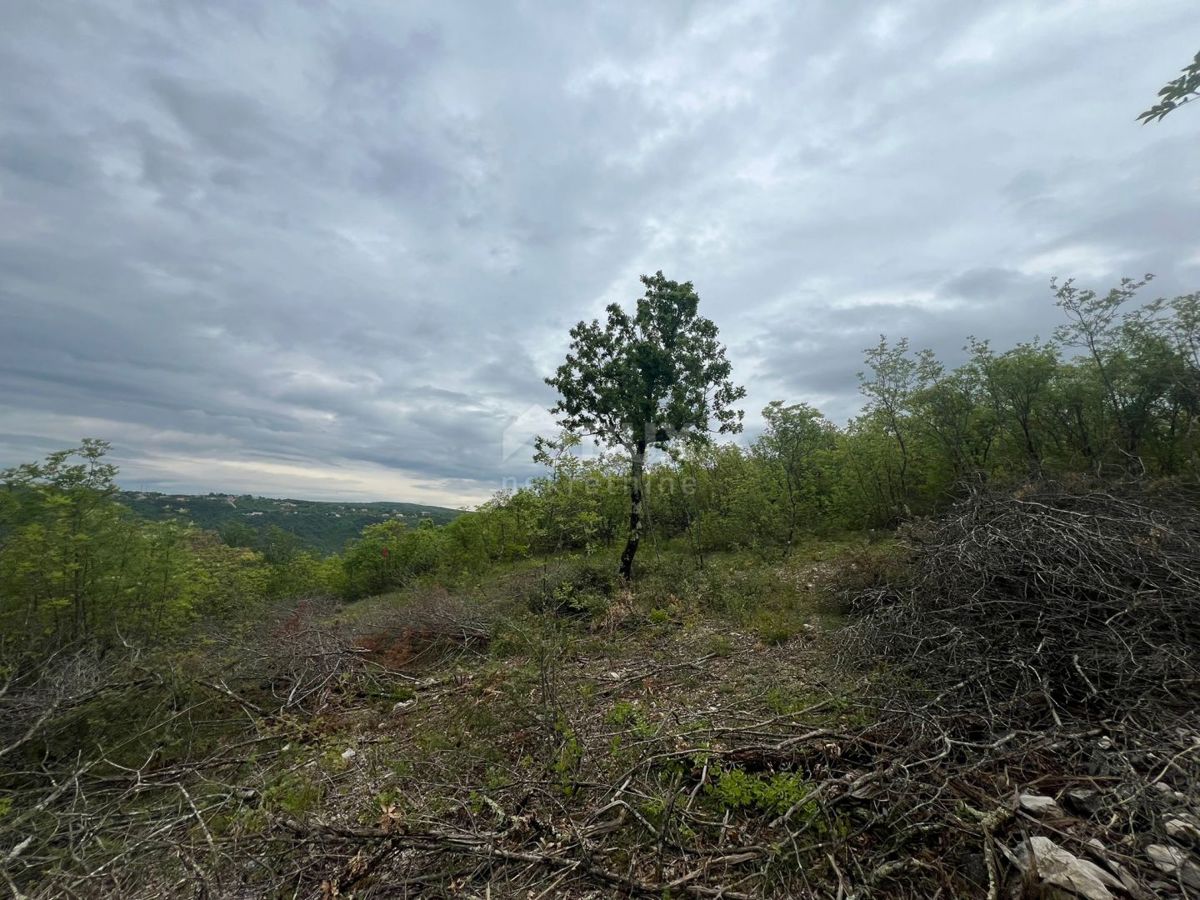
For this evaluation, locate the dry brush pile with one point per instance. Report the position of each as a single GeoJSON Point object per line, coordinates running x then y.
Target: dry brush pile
{"type": "Point", "coordinates": [1044, 654]}
{"type": "Point", "coordinates": [120, 772]}
{"type": "Point", "coordinates": [1087, 598]}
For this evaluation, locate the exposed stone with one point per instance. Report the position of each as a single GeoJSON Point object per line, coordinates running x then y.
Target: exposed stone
{"type": "Point", "coordinates": [1039, 805]}
{"type": "Point", "coordinates": [1175, 863]}
{"type": "Point", "coordinates": [1056, 867]}
{"type": "Point", "coordinates": [1183, 829]}
{"type": "Point", "coordinates": [1084, 800]}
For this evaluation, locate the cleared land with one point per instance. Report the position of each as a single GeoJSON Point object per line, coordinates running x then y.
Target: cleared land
{"type": "Point", "coordinates": [544, 732]}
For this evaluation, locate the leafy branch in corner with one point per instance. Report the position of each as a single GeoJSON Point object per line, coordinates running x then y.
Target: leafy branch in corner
{"type": "Point", "coordinates": [1175, 93]}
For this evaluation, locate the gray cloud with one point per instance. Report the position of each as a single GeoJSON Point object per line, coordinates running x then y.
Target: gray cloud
{"type": "Point", "coordinates": [331, 250]}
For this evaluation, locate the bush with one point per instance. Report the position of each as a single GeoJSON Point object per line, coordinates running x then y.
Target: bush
{"type": "Point", "coordinates": [862, 577]}
{"type": "Point", "coordinates": [581, 588]}
{"type": "Point", "coordinates": [389, 555]}
{"type": "Point", "coordinates": [775, 793]}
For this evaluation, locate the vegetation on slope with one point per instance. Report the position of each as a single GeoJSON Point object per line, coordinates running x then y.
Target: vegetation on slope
{"type": "Point", "coordinates": [275, 525]}
{"type": "Point", "coordinates": [788, 698]}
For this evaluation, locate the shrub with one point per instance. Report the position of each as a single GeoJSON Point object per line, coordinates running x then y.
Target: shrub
{"type": "Point", "coordinates": [862, 577]}
{"type": "Point", "coordinates": [775, 794]}
{"type": "Point", "coordinates": [581, 588]}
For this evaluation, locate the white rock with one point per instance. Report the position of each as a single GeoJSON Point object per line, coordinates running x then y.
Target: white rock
{"type": "Point", "coordinates": [1182, 829]}
{"type": "Point", "coordinates": [404, 706]}
{"type": "Point", "coordinates": [1173, 862]}
{"type": "Point", "coordinates": [349, 753]}
{"type": "Point", "coordinates": [1169, 792]}
{"type": "Point", "coordinates": [1039, 805]}
{"type": "Point", "coordinates": [1061, 868]}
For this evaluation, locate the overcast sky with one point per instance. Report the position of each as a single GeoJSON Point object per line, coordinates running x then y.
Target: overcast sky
{"type": "Point", "coordinates": [331, 249]}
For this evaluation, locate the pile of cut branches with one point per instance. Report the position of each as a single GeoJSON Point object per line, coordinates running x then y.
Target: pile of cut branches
{"type": "Point", "coordinates": [1086, 600]}
{"type": "Point", "coordinates": [154, 755]}
{"type": "Point", "coordinates": [1042, 661]}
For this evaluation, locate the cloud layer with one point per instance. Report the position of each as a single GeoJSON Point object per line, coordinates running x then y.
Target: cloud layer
{"type": "Point", "coordinates": [330, 250]}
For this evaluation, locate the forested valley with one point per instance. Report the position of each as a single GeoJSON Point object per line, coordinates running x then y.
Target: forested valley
{"type": "Point", "coordinates": [948, 648]}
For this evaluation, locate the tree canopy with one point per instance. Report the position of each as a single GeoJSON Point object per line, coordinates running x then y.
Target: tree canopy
{"type": "Point", "coordinates": [647, 379]}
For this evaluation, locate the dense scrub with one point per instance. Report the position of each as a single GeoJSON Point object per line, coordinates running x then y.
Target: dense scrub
{"type": "Point", "coordinates": [78, 570]}
{"type": "Point", "coordinates": [1116, 395]}
{"type": "Point", "coordinates": [273, 526]}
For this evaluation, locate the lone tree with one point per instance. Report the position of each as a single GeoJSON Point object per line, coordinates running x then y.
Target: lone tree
{"type": "Point", "coordinates": [643, 380]}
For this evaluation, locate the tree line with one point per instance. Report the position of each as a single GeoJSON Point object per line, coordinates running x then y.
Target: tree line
{"type": "Point", "coordinates": [1114, 394]}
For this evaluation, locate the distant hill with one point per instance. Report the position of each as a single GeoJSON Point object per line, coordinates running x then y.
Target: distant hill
{"type": "Point", "coordinates": [318, 525]}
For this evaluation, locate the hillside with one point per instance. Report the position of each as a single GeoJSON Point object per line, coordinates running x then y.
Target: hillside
{"type": "Point", "coordinates": [951, 649]}
{"type": "Point", "coordinates": [542, 730]}
{"type": "Point", "coordinates": [319, 525]}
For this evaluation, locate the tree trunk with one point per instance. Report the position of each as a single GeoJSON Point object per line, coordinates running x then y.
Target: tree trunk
{"type": "Point", "coordinates": [635, 511]}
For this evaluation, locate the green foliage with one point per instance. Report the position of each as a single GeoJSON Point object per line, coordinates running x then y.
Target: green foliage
{"type": "Point", "coordinates": [786, 699]}
{"type": "Point", "coordinates": [630, 716]}
{"type": "Point", "coordinates": [793, 456]}
{"type": "Point", "coordinates": [721, 645]}
{"type": "Point", "coordinates": [581, 500]}
{"type": "Point", "coordinates": [568, 757]}
{"type": "Point", "coordinates": [774, 794]}
{"type": "Point", "coordinates": [646, 380]}
{"type": "Point", "coordinates": [773, 628]}
{"type": "Point", "coordinates": [1175, 93]}
{"type": "Point", "coordinates": [1116, 393]}
{"type": "Point", "coordinates": [77, 567]}
{"type": "Point", "coordinates": [313, 526]}
{"type": "Point", "coordinates": [573, 588]}
{"type": "Point", "coordinates": [388, 555]}
{"type": "Point", "coordinates": [73, 563]}
{"type": "Point", "coordinates": [293, 793]}
{"type": "Point", "coordinates": [743, 591]}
